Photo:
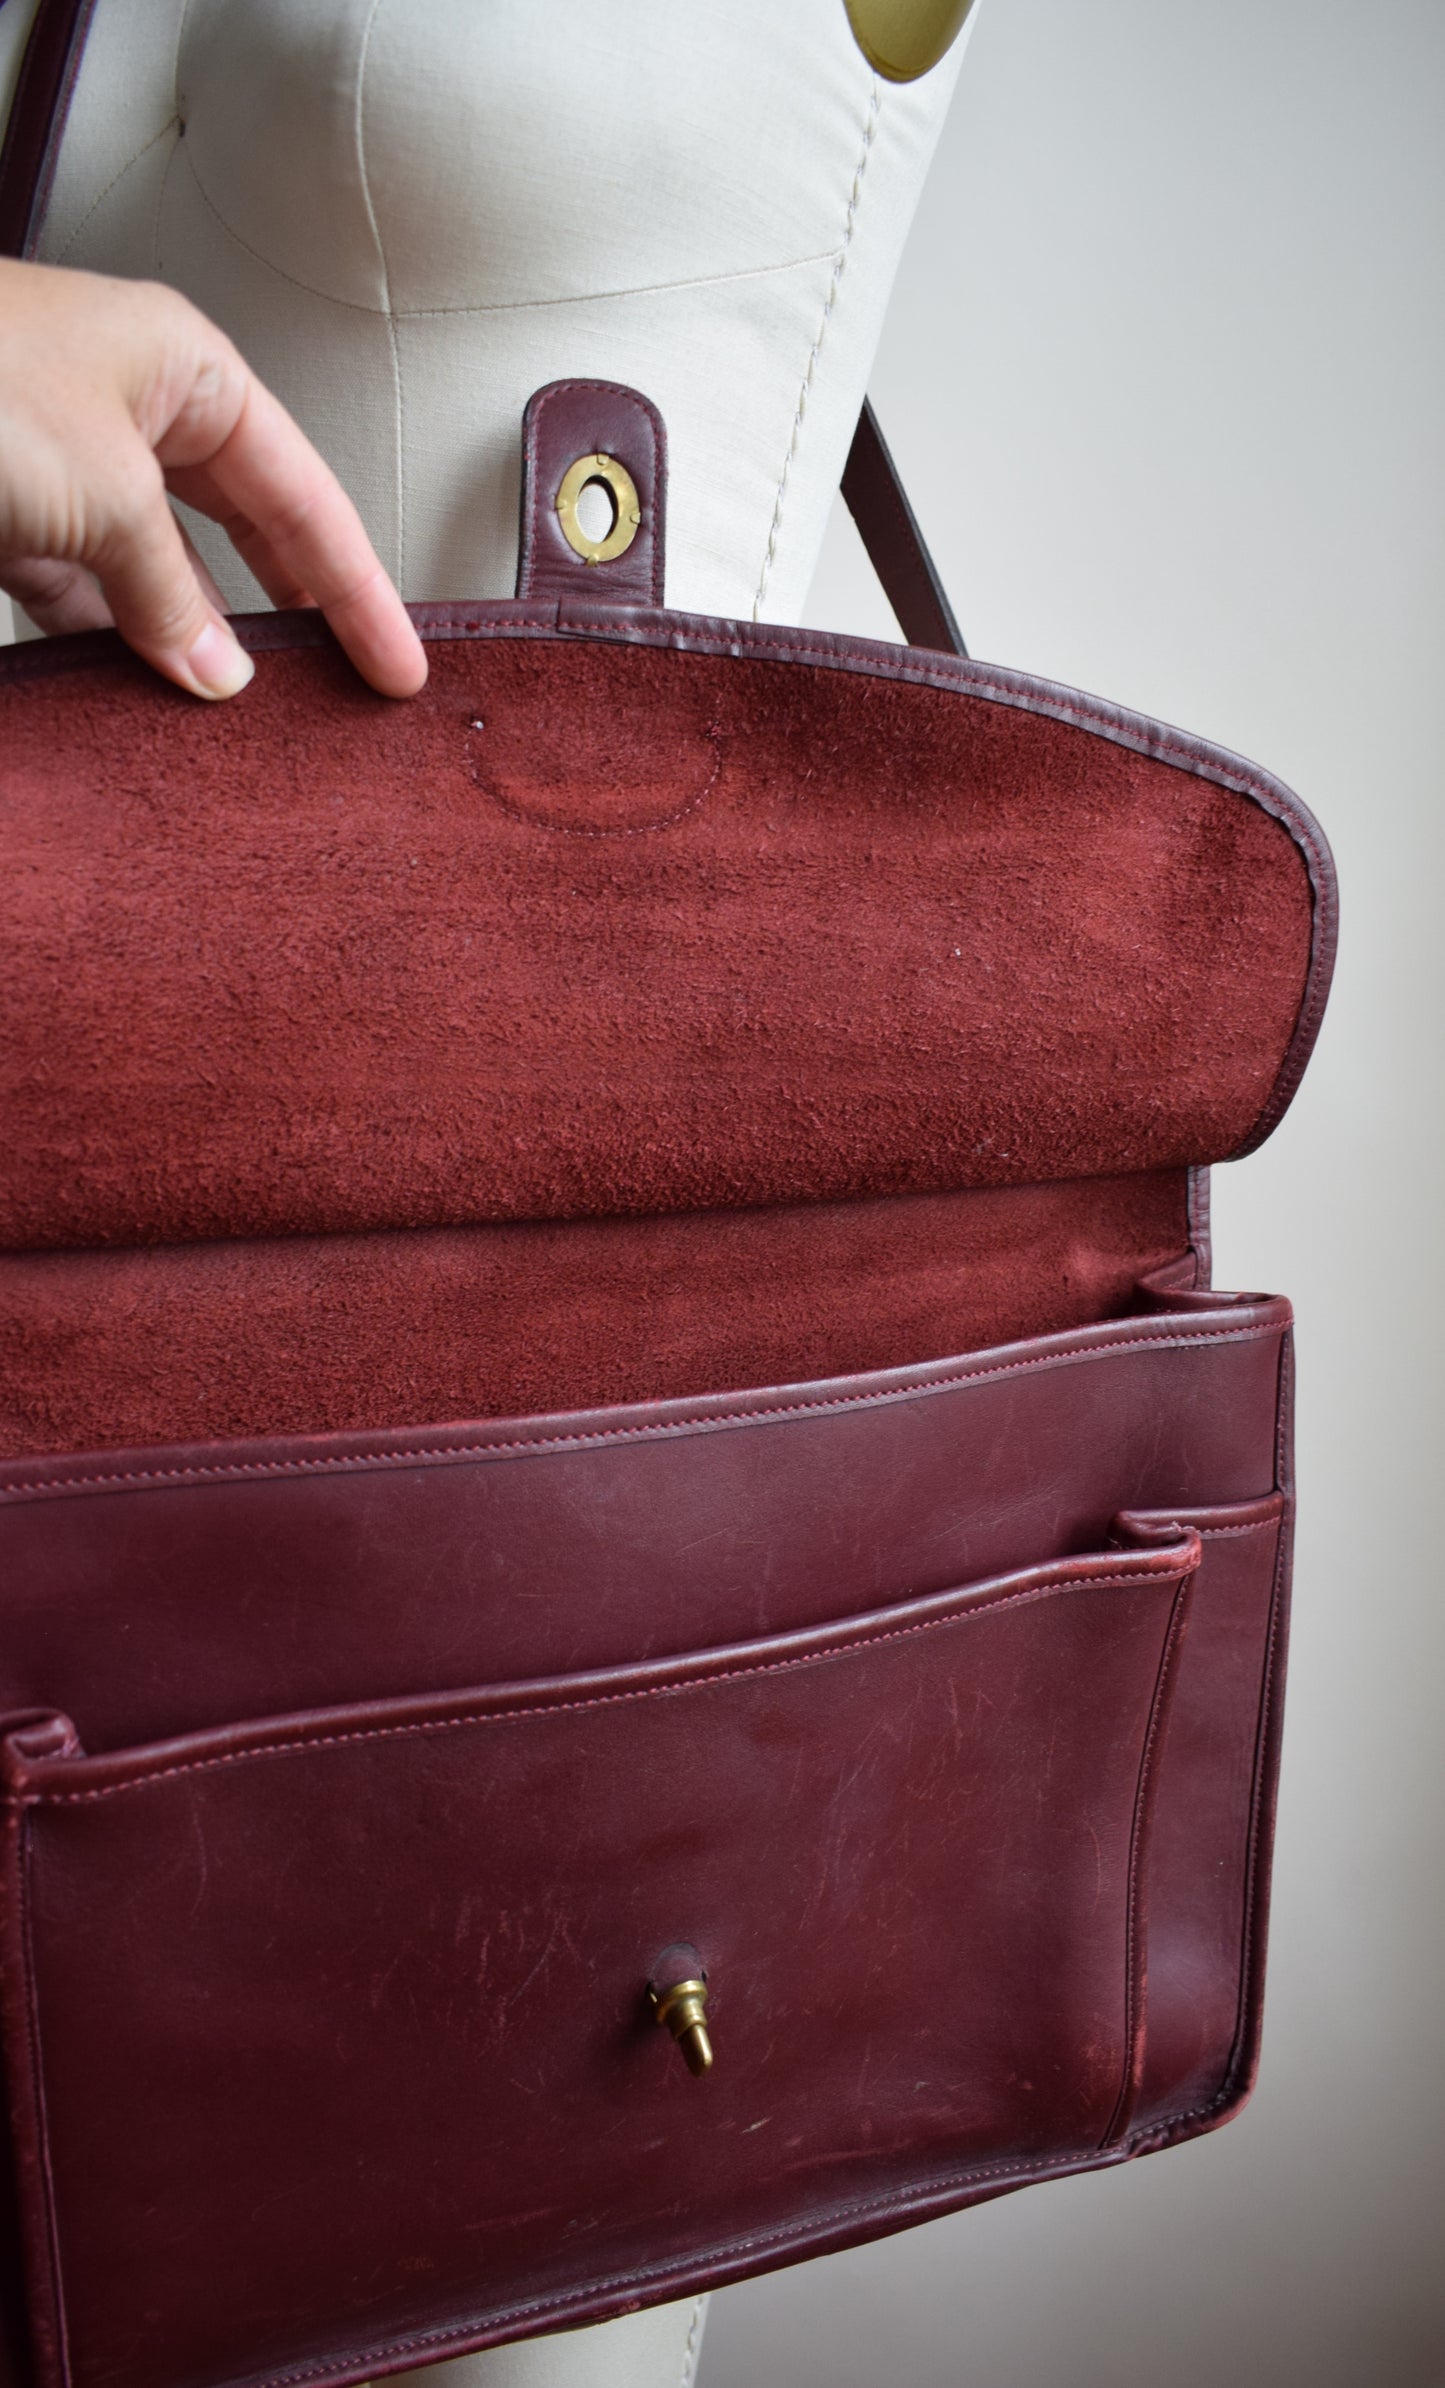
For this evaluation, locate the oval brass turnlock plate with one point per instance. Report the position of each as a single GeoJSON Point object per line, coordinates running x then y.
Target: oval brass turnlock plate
{"type": "Point", "coordinates": [626, 507]}
{"type": "Point", "coordinates": [678, 1998]}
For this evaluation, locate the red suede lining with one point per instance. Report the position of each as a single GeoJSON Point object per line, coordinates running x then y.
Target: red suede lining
{"type": "Point", "coordinates": [669, 931]}
{"type": "Point", "coordinates": [313, 1335]}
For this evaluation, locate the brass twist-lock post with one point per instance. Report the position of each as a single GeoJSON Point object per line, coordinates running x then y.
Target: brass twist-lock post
{"type": "Point", "coordinates": [677, 1995]}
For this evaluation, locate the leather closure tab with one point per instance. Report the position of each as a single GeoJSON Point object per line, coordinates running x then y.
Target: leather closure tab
{"type": "Point", "coordinates": [566, 423]}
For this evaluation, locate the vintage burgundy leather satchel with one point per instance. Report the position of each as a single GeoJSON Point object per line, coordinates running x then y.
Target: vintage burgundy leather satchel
{"type": "Point", "coordinates": [608, 1374]}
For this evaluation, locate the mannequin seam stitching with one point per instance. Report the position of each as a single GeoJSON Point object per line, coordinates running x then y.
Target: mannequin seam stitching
{"type": "Point", "coordinates": [353, 306]}
{"type": "Point", "coordinates": [577, 298]}
{"type": "Point", "coordinates": [178, 119]}
{"type": "Point", "coordinates": [587, 298]}
{"type": "Point", "coordinates": [118, 177]}
{"type": "Point", "coordinates": [854, 195]}
{"type": "Point", "coordinates": [396, 374]}
{"type": "Point", "coordinates": [180, 125]}
{"type": "Point", "coordinates": [694, 2341]}
{"type": "Point", "coordinates": [160, 203]}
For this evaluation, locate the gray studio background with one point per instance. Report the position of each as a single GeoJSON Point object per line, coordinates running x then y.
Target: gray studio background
{"type": "Point", "coordinates": [1164, 370]}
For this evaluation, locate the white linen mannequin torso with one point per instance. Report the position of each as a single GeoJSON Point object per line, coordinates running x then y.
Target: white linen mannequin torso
{"type": "Point", "coordinates": [408, 219]}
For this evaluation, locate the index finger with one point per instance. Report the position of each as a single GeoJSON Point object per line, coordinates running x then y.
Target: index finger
{"type": "Point", "coordinates": [266, 484]}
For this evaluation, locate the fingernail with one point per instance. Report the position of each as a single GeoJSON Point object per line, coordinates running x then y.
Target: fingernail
{"type": "Point", "coordinates": [218, 666]}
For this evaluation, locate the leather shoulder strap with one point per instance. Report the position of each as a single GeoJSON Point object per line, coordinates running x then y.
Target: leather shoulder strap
{"type": "Point", "coordinates": [878, 503]}
{"type": "Point", "coordinates": [872, 490]}
{"type": "Point", "coordinates": [37, 120]}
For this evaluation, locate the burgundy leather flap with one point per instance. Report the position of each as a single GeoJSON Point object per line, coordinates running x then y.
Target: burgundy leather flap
{"type": "Point", "coordinates": [628, 914]}
{"type": "Point", "coordinates": [370, 2070]}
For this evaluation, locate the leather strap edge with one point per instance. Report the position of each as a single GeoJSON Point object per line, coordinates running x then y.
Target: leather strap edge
{"type": "Point", "coordinates": [43, 94]}
{"type": "Point", "coordinates": [874, 494]}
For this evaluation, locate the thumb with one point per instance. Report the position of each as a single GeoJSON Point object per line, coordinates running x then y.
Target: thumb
{"type": "Point", "coordinates": [160, 609]}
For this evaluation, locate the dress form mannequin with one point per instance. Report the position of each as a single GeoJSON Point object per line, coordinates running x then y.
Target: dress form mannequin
{"type": "Point", "coordinates": [408, 220]}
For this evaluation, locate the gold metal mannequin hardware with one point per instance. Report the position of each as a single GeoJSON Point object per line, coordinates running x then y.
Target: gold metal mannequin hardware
{"type": "Point", "coordinates": [902, 39]}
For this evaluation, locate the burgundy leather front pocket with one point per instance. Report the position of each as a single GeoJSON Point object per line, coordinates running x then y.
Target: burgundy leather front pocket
{"type": "Point", "coordinates": [383, 1972]}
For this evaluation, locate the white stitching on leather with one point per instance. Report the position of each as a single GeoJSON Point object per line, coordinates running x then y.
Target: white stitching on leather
{"type": "Point", "coordinates": [855, 192]}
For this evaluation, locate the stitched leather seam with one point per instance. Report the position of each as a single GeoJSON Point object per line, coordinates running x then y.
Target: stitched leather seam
{"type": "Point", "coordinates": [529, 501]}
{"type": "Point", "coordinates": [1260, 1816]}
{"type": "Point", "coordinates": [785, 2235]}
{"type": "Point", "coordinates": [56, 2299]}
{"type": "Point", "coordinates": [948, 675]}
{"type": "Point", "coordinates": [656, 561]}
{"type": "Point", "coordinates": [514, 812]}
{"type": "Point", "coordinates": [1135, 1979]}
{"type": "Point", "coordinates": [1284, 1420]}
{"type": "Point", "coordinates": [1260, 1525]}
{"type": "Point", "coordinates": [260, 1470]}
{"type": "Point", "coordinates": [954, 676]}
{"type": "Point", "coordinates": [1135, 733]}
{"type": "Point", "coordinates": [961, 673]}
{"type": "Point", "coordinates": [741, 2248]}
{"type": "Point", "coordinates": [533, 500]}
{"type": "Point", "coordinates": [1161, 1571]}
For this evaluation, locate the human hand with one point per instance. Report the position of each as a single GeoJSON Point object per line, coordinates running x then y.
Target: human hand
{"type": "Point", "coordinates": [113, 394]}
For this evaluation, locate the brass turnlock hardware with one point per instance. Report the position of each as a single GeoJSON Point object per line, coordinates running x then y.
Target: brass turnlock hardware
{"type": "Point", "coordinates": [626, 508]}
{"type": "Point", "coordinates": [678, 1998]}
